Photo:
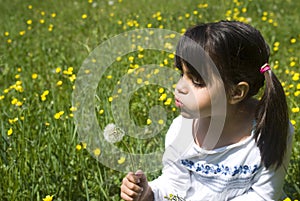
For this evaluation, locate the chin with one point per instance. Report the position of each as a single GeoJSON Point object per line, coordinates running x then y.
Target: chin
{"type": "Point", "coordinates": [192, 114]}
{"type": "Point", "coordinates": [189, 115]}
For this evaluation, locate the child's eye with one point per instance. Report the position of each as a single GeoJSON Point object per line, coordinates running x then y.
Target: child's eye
{"type": "Point", "coordinates": [198, 83]}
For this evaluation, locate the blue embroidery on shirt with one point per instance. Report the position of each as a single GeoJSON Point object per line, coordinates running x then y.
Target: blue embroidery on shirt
{"type": "Point", "coordinates": [212, 169]}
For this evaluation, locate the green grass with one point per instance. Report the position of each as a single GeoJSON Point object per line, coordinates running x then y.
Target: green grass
{"type": "Point", "coordinates": [40, 157]}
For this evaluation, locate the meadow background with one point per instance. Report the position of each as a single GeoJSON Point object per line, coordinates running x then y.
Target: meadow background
{"type": "Point", "coordinates": [42, 47]}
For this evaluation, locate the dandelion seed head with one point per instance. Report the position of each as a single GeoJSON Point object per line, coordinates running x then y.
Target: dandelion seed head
{"type": "Point", "coordinates": [113, 134]}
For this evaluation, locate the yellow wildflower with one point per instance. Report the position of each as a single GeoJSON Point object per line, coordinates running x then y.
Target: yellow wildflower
{"type": "Point", "coordinates": [84, 16]}
{"type": "Point", "coordinates": [292, 63]}
{"type": "Point", "coordinates": [48, 198]}
{"type": "Point", "coordinates": [58, 70]}
{"type": "Point", "coordinates": [295, 77]}
{"type": "Point", "coordinates": [72, 109]}
{"type": "Point", "coordinates": [168, 101]}
{"type": "Point", "coordinates": [22, 33]}
{"type": "Point", "coordinates": [10, 131]}
{"type": "Point", "coordinates": [139, 80]}
{"type": "Point", "coordinates": [163, 97]}
{"type": "Point", "coordinates": [131, 58]}
{"type": "Point", "coordinates": [97, 152]}
{"type": "Point", "coordinates": [58, 114]}
{"type": "Point", "coordinates": [121, 160]}
{"type": "Point", "coordinates": [44, 94]}
{"type": "Point", "coordinates": [160, 121]}
{"type": "Point", "coordinates": [166, 61]}
{"type": "Point", "coordinates": [34, 76]}
{"type": "Point", "coordinates": [14, 101]}
{"type": "Point", "coordinates": [29, 22]}
{"type": "Point", "coordinates": [295, 109]}
{"type": "Point", "coordinates": [161, 90]}
{"type": "Point", "coordinates": [78, 147]}
{"type": "Point", "coordinates": [19, 103]}
{"type": "Point", "coordinates": [293, 40]}
{"type": "Point", "coordinates": [59, 83]}
{"type": "Point", "coordinates": [293, 122]}
{"type": "Point", "coordinates": [171, 56]}
{"type": "Point", "coordinates": [50, 28]}
{"type": "Point", "coordinates": [149, 121]}
{"type": "Point", "coordinates": [11, 121]}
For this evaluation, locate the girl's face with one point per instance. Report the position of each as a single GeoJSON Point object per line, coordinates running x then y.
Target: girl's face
{"type": "Point", "coordinates": [192, 96]}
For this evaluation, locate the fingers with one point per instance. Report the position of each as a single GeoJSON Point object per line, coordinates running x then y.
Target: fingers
{"type": "Point", "coordinates": [133, 178]}
{"type": "Point", "coordinates": [142, 177]}
{"type": "Point", "coordinates": [130, 189]}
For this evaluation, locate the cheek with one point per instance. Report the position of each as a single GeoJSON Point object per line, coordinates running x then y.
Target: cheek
{"type": "Point", "coordinates": [199, 99]}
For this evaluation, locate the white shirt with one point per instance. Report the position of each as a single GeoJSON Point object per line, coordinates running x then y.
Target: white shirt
{"type": "Point", "coordinates": [233, 172]}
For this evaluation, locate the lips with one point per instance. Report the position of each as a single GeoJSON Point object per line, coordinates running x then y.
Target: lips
{"type": "Point", "coordinates": [178, 103]}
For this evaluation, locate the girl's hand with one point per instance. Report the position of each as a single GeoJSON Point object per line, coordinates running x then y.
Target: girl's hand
{"type": "Point", "coordinates": [135, 187]}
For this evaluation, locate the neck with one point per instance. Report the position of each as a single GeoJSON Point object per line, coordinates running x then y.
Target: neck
{"type": "Point", "coordinates": [218, 131]}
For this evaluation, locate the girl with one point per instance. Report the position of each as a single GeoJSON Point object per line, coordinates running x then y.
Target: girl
{"type": "Point", "coordinates": [248, 158]}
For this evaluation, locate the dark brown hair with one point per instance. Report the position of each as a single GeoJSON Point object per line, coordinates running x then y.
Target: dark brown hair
{"type": "Point", "coordinates": [238, 51]}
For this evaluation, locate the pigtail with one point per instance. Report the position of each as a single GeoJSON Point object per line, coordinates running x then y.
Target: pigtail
{"type": "Point", "coordinates": [272, 122]}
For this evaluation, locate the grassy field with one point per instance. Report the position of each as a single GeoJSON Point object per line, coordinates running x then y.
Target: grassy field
{"type": "Point", "coordinates": [43, 44]}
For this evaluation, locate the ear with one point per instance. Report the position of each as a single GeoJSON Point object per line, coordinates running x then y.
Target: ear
{"type": "Point", "coordinates": [238, 93]}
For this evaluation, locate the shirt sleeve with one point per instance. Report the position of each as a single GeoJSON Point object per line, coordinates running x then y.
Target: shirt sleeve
{"type": "Point", "coordinates": [270, 182]}
{"type": "Point", "coordinates": [175, 177]}
{"type": "Point", "coordinates": [173, 180]}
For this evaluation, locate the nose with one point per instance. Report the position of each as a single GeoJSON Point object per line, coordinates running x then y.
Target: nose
{"type": "Point", "coordinates": [181, 86]}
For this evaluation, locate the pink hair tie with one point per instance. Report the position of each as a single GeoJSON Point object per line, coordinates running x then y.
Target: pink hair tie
{"type": "Point", "coordinates": [265, 68]}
